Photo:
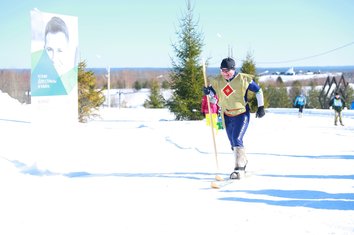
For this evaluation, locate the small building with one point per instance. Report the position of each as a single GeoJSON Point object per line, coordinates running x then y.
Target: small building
{"type": "Point", "coordinates": [290, 71]}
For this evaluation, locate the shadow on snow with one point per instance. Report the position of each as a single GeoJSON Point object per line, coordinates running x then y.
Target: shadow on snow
{"type": "Point", "coordinates": [299, 198]}
{"type": "Point", "coordinates": [350, 177]}
{"type": "Point", "coordinates": [348, 157]}
{"type": "Point", "coordinates": [288, 198]}
{"type": "Point", "coordinates": [35, 171]}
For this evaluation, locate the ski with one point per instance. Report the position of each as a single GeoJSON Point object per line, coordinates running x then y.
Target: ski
{"type": "Point", "coordinates": [220, 182]}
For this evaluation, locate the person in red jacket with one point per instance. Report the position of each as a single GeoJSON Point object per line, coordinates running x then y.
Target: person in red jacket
{"type": "Point", "coordinates": [214, 108]}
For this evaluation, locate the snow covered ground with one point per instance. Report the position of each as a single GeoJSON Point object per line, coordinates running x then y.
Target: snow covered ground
{"type": "Point", "coordinates": [296, 77]}
{"type": "Point", "coordinates": [137, 171]}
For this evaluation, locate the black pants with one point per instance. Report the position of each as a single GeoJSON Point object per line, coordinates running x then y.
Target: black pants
{"type": "Point", "coordinates": [301, 107]}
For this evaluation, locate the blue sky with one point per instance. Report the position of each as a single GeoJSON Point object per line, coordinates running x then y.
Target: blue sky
{"type": "Point", "coordinates": [139, 33]}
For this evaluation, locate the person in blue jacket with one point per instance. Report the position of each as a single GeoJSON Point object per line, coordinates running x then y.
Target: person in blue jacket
{"type": "Point", "coordinates": [300, 103]}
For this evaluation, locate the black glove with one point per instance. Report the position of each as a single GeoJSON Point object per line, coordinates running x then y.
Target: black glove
{"type": "Point", "coordinates": [206, 90]}
{"type": "Point", "coordinates": [260, 112]}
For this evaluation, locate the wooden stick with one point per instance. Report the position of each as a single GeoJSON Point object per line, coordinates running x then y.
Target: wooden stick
{"type": "Point", "coordinates": [211, 123]}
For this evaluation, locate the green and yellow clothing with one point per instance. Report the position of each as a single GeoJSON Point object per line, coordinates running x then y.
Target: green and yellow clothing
{"type": "Point", "coordinates": [232, 93]}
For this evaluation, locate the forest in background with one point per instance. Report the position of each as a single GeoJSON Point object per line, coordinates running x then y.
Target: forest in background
{"type": "Point", "coordinates": [16, 82]}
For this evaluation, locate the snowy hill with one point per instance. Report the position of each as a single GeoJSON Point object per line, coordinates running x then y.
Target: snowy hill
{"type": "Point", "coordinates": [138, 171]}
{"type": "Point", "coordinates": [294, 77]}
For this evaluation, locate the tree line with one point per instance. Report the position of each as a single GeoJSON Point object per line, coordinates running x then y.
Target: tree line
{"type": "Point", "coordinates": [185, 79]}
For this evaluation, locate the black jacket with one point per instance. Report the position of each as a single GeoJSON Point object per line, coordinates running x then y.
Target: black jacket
{"type": "Point", "coordinates": [337, 103]}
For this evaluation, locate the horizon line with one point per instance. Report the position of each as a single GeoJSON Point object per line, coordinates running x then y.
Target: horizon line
{"type": "Point", "coordinates": [152, 67]}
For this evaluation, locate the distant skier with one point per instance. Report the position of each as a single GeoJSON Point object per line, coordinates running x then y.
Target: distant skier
{"type": "Point", "coordinates": [337, 103]}
{"type": "Point", "coordinates": [300, 103]}
{"type": "Point", "coordinates": [231, 89]}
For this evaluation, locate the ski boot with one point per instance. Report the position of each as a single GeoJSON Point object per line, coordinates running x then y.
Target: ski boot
{"type": "Point", "coordinates": [240, 163]}
{"type": "Point", "coordinates": [238, 173]}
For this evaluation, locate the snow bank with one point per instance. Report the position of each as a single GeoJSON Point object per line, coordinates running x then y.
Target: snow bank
{"type": "Point", "coordinates": [138, 171]}
{"type": "Point", "coordinates": [286, 78]}
{"type": "Point", "coordinates": [12, 109]}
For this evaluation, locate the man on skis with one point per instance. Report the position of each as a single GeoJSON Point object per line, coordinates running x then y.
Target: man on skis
{"type": "Point", "coordinates": [338, 104]}
{"type": "Point", "coordinates": [231, 88]}
{"type": "Point", "coordinates": [300, 103]}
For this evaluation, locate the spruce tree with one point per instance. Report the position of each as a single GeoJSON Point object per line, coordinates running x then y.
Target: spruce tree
{"type": "Point", "coordinates": [277, 96]}
{"type": "Point", "coordinates": [349, 96]}
{"type": "Point", "coordinates": [295, 90]}
{"type": "Point", "coordinates": [249, 67]}
{"type": "Point", "coordinates": [313, 101]}
{"type": "Point", "coordinates": [186, 75]}
{"type": "Point", "coordinates": [89, 98]}
{"type": "Point", "coordinates": [155, 100]}
{"type": "Point", "coordinates": [137, 85]}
